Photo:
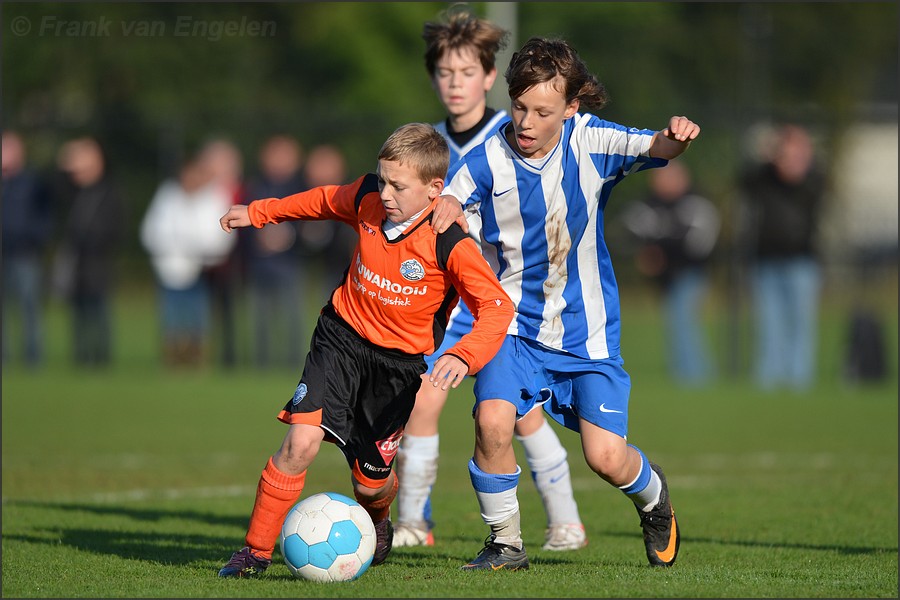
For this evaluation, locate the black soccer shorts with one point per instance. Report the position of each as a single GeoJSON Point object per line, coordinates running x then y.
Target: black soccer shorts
{"type": "Point", "coordinates": [359, 393]}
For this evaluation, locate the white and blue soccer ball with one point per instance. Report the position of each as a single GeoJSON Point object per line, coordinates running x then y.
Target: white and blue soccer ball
{"type": "Point", "coordinates": [327, 537]}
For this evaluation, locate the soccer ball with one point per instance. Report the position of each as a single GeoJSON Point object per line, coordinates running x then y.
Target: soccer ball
{"type": "Point", "coordinates": [327, 537]}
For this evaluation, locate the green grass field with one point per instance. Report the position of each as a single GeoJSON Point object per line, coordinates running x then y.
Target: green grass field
{"type": "Point", "coordinates": [138, 482]}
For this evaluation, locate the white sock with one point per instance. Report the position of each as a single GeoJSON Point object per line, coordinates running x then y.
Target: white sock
{"type": "Point", "coordinates": [546, 458]}
{"type": "Point", "coordinates": [648, 497]}
{"type": "Point", "coordinates": [417, 465]}
{"type": "Point", "coordinates": [497, 497]}
{"type": "Point", "coordinates": [509, 532]}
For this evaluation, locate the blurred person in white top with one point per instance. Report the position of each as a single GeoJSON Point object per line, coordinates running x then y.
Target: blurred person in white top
{"type": "Point", "coordinates": [181, 233]}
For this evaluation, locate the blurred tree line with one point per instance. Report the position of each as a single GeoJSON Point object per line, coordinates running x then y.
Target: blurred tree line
{"type": "Point", "coordinates": [153, 80]}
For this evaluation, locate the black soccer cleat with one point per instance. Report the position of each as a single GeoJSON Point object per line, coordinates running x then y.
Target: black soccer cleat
{"type": "Point", "coordinates": [244, 564]}
{"type": "Point", "coordinates": [384, 540]}
{"type": "Point", "coordinates": [661, 534]}
{"type": "Point", "coordinates": [496, 557]}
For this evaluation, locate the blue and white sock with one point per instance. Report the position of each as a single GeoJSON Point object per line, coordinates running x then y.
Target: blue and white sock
{"type": "Point", "coordinates": [499, 503]}
{"type": "Point", "coordinates": [644, 491]}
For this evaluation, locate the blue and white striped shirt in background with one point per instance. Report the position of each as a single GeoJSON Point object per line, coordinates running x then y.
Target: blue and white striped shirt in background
{"type": "Point", "coordinates": [461, 318]}
{"type": "Point", "coordinates": [542, 228]}
{"type": "Point", "coordinates": [489, 129]}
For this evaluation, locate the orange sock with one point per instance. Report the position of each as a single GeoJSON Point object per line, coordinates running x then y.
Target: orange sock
{"type": "Point", "coordinates": [276, 494]}
{"type": "Point", "coordinates": [379, 508]}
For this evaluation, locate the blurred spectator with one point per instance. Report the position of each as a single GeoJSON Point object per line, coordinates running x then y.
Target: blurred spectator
{"type": "Point", "coordinates": [782, 198]}
{"type": "Point", "coordinates": [27, 226]}
{"type": "Point", "coordinates": [272, 258]}
{"type": "Point", "coordinates": [86, 256]}
{"type": "Point", "coordinates": [333, 241]}
{"type": "Point", "coordinates": [225, 163]}
{"type": "Point", "coordinates": [326, 166]}
{"type": "Point", "coordinates": [181, 232]}
{"type": "Point", "coordinates": [677, 229]}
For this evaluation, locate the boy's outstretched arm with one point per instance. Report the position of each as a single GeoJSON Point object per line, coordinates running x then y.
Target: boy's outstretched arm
{"type": "Point", "coordinates": [237, 216]}
{"type": "Point", "coordinates": [674, 139]}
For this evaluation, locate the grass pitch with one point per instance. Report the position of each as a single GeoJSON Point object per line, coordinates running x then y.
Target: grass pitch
{"type": "Point", "coordinates": [138, 482]}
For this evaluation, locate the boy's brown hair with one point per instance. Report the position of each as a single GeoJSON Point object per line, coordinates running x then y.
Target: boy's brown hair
{"type": "Point", "coordinates": [462, 29]}
{"type": "Point", "coordinates": [542, 59]}
{"type": "Point", "coordinates": [420, 146]}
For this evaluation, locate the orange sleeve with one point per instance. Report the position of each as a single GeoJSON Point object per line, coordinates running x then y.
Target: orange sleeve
{"type": "Point", "coordinates": [333, 202]}
{"type": "Point", "coordinates": [490, 305]}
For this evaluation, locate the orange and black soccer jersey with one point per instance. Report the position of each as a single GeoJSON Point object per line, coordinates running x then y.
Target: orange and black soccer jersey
{"type": "Point", "coordinates": [398, 294]}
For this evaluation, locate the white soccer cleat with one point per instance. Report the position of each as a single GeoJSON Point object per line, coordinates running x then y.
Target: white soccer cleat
{"type": "Point", "coordinates": [406, 535]}
{"type": "Point", "coordinates": [568, 536]}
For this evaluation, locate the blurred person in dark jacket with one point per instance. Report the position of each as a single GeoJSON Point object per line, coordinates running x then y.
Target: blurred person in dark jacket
{"type": "Point", "coordinates": [677, 229]}
{"type": "Point", "coordinates": [275, 269]}
{"type": "Point", "coordinates": [27, 226]}
{"type": "Point", "coordinates": [781, 199]}
{"type": "Point", "coordinates": [91, 237]}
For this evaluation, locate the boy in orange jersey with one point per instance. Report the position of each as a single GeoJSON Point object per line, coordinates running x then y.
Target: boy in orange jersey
{"type": "Point", "coordinates": [363, 369]}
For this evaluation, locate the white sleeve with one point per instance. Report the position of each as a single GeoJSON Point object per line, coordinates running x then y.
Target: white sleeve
{"type": "Point", "coordinates": [461, 186]}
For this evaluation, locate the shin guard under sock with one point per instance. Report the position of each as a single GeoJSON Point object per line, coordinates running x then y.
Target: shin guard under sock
{"type": "Point", "coordinates": [276, 494]}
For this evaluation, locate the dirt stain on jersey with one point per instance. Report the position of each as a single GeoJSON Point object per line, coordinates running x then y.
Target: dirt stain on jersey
{"type": "Point", "coordinates": [558, 245]}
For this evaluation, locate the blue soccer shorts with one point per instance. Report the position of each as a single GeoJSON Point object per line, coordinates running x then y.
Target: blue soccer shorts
{"type": "Point", "coordinates": [526, 374]}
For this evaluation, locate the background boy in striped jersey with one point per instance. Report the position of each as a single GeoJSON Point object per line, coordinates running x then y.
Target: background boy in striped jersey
{"type": "Point", "coordinates": [539, 187]}
{"type": "Point", "coordinates": [459, 56]}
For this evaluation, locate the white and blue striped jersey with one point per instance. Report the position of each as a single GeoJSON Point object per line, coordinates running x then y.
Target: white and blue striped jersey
{"type": "Point", "coordinates": [541, 228]}
{"type": "Point", "coordinates": [461, 318]}
{"type": "Point", "coordinates": [489, 129]}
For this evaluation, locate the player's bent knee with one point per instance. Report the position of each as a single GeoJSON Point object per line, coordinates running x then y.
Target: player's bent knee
{"type": "Point", "coordinates": [300, 447]}
{"type": "Point", "coordinates": [495, 417]}
{"type": "Point", "coordinates": [607, 462]}
{"type": "Point", "coordinates": [530, 423]}
{"type": "Point", "coordinates": [491, 438]}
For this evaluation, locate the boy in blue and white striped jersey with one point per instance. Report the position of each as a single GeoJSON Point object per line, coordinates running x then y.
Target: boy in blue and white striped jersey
{"type": "Point", "coordinates": [459, 57]}
{"type": "Point", "coordinates": [539, 187]}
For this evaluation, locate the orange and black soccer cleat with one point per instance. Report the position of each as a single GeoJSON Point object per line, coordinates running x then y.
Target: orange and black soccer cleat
{"type": "Point", "coordinates": [661, 534]}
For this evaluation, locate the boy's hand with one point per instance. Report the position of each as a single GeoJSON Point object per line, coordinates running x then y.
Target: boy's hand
{"type": "Point", "coordinates": [446, 211]}
{"type": "Point", "coordinates": [237, 216]}
{"type": "Point", "coordinates": [448, 372]}
{"type": "Point", "coordinates": [681, 129]}
{"type": "Point", "coordinates": [674, 139]}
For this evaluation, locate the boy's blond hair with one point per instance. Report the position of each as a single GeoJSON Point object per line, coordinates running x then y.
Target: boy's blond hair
{"type": "Point", "coordinates": [420, 146]}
